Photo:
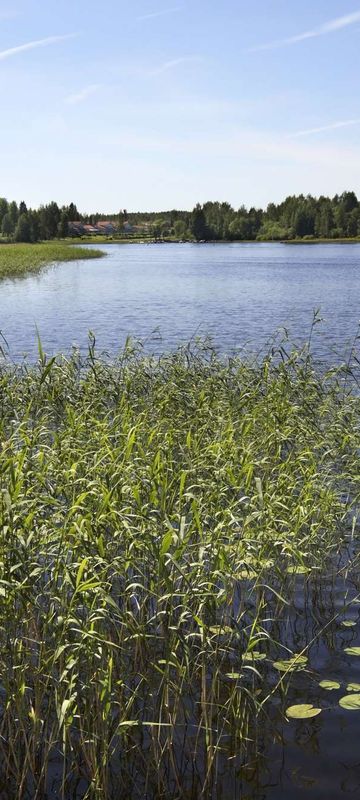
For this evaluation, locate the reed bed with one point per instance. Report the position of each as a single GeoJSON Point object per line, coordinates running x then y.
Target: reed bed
{"type": "Point", "coordinates": [155, 514]}
{"type": "Point", "coordinates": [18, 260]}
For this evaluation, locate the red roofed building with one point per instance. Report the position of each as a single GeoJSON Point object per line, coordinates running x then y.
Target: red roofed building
{"type": "Point", "coordinates": [77, 228]}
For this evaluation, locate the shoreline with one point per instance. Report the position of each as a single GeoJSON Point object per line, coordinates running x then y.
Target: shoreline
{"type": "Point", "coordinates": [102, 241]}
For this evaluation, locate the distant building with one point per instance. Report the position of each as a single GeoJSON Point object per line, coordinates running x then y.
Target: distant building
{"type": "Point", "coordinates": [91, 230]}
{"type": "Point", "coordinates": [78, 228]}
{"type": "Point", "coordinates": [105, 226]}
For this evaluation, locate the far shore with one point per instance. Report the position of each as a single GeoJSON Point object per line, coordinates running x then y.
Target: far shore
{"type": "Point", "coordinates": [99, 240]}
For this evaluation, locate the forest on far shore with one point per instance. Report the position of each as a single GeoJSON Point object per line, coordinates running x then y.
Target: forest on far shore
{"type": "Point", "coordinates": [297, 217]}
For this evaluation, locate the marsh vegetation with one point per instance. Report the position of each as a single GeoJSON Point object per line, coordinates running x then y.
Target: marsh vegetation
{"type": "Point", "coordinates": [156, 517]}
{"type": "Point", "coordinates": [17, 260]}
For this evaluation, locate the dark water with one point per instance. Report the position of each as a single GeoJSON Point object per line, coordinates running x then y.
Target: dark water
{"type": "Point", "coordinates": [316, 759]}
{"type": "Point", "coordinates": [238, 293]}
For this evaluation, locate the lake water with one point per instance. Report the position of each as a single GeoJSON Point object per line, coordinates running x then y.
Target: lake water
{"type": "Point", "coordinates": [238, 293]}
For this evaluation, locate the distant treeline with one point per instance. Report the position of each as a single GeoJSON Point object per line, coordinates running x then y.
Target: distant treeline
{"type": "Point", "coordinates": [296, 217]}
{"type": "Point", "coordinates": [304, 217]}
{"type": "Point", "coordinates": [23, 224]}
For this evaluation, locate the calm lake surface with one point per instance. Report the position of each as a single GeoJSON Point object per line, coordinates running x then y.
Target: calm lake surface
{"type": "Point", "coordinates": [238, 293]}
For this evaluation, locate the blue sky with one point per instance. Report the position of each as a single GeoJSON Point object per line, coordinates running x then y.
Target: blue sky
{"type": "Point", "coordinates": [157, 104]}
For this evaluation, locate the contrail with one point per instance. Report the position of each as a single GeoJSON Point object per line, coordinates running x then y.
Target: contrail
{"type": "Point", "coordinates": [327, 27]}
{"type": "Point", "coordinates": [22, 48]}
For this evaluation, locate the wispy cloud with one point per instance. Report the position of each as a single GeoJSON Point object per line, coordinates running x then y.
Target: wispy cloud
{"type": "Point", "coordinates": [176, 62]}
{"type": "Point", "coordinates": [22, 48]}
{"type": "Point", "coordinates": [346, 123]}
{"type": "Point", "coordinates": [83, 94]}
{"type": "Point", "coordinates": [322, 30]}
{"type": "Point", "coordinates": [155, 14]}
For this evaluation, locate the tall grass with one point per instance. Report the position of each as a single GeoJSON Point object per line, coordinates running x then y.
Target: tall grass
{"type": "Point", "coordinates": [154, 514]}
{"type": "Point", "coordinates": [17, 260]}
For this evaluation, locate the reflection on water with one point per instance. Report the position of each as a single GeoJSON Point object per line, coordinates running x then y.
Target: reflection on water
{"type": "Point", "coordinates": [238, 293]}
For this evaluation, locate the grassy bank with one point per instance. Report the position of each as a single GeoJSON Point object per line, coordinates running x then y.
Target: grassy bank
{"type": "Point", "coordinates": [17, 260]}
{"type": "Point", "coordinates": [154, 517]}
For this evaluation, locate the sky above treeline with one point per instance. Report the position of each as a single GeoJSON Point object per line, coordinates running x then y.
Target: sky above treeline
{"type": "Point", "coordinates": [159, 104]}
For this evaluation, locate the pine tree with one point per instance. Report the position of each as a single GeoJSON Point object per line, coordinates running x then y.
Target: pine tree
{"type": "Point", "coordinates": [7, 226]}
{"type": "Point", "coordinates": [198, 223]}
{"type": "Point", "coordinates": [23, 229]}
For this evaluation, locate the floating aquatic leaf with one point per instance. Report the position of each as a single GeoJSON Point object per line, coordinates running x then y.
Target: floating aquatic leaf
{"type": "Point", "coordinates": [353, 687]}
{"type": "Point", "coordinates": [291, 665]}
{"type": "Point", "coordinates": [254, 655]}
{"type": "Point", "coordinates": [299, 569]}
{"type": "Point", "coordinates": [221, 630]}
{"type": "Point", "coordinates": [302, 711]}
{"type": "Point", "coordinates": [234, 675]}
{"type": "Point", "coordinates": [348, 623]}
{"type": "Point", "coordinates": [329, 685]}
{"type": "Point", "coordinates": [352, 651]}
{"type": "Point", "coordinates": [247, 574]}
{"type": "Point", "coordinates": [351, 702]}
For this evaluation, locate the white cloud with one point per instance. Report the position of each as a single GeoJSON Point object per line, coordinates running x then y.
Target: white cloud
{"type": "Point", "coordinates": [155, 14]}
{"type": "Point", "coordinates": [83, 94]}
{"type": "Point", "coordinates": [22, 48]}
{"type": "Point", "coordinates": [176, 62]}
{"type": "Point", "coordinates": [322, 30]}
{"type": "Point", "coordinates": [346, 123]}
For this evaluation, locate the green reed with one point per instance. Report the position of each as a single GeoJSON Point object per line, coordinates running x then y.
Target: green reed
{"type": "Point", "coordinates": [153, 515]}
{"type": "Point", "coordinates": [18, 260]}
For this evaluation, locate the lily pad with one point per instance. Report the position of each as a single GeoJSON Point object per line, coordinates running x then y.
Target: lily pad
{"type": "Point", "coordinates": [247, 574]}
{"type": "Point", "coordinates": [302, 711]}
{"type": "Point", "coordinates": [299, 569]}
{"type": "Point", "coordinates": [221, 630]}
{"type": "Point", "coordinates": [353, 687]}
{"type": "Point", "coordinates": [329, 685]}
{"type": "Point", "coordinates": [352, 651]}
{"type": "Point", "coordinates": [348, 623]}
{"type": "Point", "coordinates": [234, 675]}
{"type": "Point", "coordinates": [351, 702]}
{"type": "Point", "coordinates": [294, 664]}
{"type": "Point", "coordinates": [254, 655]}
